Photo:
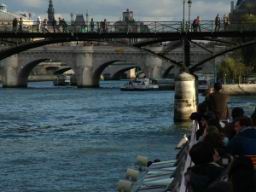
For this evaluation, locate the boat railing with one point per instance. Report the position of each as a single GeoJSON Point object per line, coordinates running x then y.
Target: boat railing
{"type": "Point", "coordinates": [183, 163]}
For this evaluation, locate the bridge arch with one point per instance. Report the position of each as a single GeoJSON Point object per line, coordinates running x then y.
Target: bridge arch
{"type": "Point", "coordinates": [118, 74]}
{"type": "Point", "coordinates": [25, 71]}
{"type": "Point", "coordinates": [16, 69]}
{"type": "Point", "coordinates": [167, 71]}
{"type": "Point", "coordinates": [99, 70]}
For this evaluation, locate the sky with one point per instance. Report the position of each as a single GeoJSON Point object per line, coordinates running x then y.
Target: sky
{"type": "Point", "coordinates": [112, 9]}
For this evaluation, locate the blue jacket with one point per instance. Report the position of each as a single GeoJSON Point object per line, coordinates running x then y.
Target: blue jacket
{"type": "Point", "coordinates": [244, 143]}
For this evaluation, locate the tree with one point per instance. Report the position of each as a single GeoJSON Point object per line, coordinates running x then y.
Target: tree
{"type": "Point", "coordinates": [249, 53]}
{"type": "Point", "coordinates": [232, 70]}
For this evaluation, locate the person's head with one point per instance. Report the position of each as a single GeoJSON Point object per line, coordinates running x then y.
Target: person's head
{"type": "Point", "coordinates": [202, 153]}
{"type": "Point", "coordinates": [237, 112]}
{"type": "Point", "coordinates": [215, 139]}
{"type": "Point", "coordinates": [217, 86]}
{"type": "Point", "coordinates": [242, 123]}
{"type": "Point", "coordinates": [196, 116]}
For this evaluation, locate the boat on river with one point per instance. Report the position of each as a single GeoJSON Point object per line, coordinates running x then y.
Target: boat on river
{"type": "Point", "coordinates": [144, 84]}
{"type": "Point", "coordinates": [64, 80]}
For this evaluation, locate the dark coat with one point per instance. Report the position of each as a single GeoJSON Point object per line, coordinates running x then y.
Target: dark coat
{"type": "Point", "coordinates": [217, 103]}
{"type": "Point", "coordinates": [201, 176]}
{"type": "Point", "coordinates": [244, 143]}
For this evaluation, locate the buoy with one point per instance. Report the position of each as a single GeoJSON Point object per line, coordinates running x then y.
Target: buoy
{"type": "Point", "coordinates": [142, 161]}
{"type": "Point", "coordinates": [132, 174]}
{"type": "Point", "coordinates": [124, 186]}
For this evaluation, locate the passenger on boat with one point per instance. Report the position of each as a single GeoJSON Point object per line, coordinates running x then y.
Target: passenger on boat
{"type": "Point", "coordinates": [244, 142]}
{"type": "Point", "coordinates": [201, 122]}
{"type": "Point", "coordinates": [217, 103]}
{"type": "Point", "coordinates": [206, 169]}
{"type": "Point", "coordinates": [207, 123]}
{"type": "Point", "coordinates": [241, 175]}
{"type": "Point", "coordinates": [236, 114]}
{"type": "Point", "coordinates": [203, 106]}
{"type": "Point", "coordinates": [216, 139]}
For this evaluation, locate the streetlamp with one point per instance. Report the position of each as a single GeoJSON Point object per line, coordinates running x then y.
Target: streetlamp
{"type": "Point", "coordinates": [189, 13]}
{"type": "Point", "coordinates": [183, 18]}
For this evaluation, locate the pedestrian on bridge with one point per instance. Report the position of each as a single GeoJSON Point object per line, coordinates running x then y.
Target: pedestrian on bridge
{"type": "Point", "coordinates": [196, 24]}
{"type": "Point", "coordinates": [39, 24]}
{"type": "Point", "coordinates": [225, 22]}
{"type": "Point", "coordinates": [14, 24]}
{"type": "Point", "coordinates": [92, 25]}
{"type": "Point", "coordinates": [45, 26]}
{"type": "Point", "coordinates": [54, 25]}
{"type": "Point", "coordinates": [21, 24]}
{"type": "Point", "coordinates": [217, 23]}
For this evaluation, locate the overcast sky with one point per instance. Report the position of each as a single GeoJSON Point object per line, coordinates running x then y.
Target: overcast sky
{"type": "Point", "coordinates": [112, 9]}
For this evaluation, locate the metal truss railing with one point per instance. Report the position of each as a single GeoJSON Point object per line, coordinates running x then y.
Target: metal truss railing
{"type": "Point", "coordinates": [123, 27]}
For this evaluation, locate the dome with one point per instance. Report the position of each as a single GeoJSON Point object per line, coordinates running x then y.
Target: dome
{"type": "Point", "coordinates": [3, 7]}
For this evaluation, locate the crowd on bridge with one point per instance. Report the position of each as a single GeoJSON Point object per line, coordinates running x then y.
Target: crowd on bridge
{"type": "Point", "coordinates": [61, 25]}
{"type": "Point", "coordinates": [224, 154]}
{"type": "Point", "coordinates": [218, 22]}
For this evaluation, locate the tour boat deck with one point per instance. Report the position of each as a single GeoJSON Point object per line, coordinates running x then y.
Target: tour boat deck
{"type": "Point", "coordinates": [165, 176]}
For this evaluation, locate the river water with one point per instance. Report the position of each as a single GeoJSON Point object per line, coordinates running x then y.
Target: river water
{"type": "Point", "coordinates": [74, 140]}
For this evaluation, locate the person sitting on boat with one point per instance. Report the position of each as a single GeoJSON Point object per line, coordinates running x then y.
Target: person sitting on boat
{"type": "Point", "coordinates": [206, 169]}
{"type": "Point", "coordinates": [236, 114]}
{"type": "Point", "coordinates": [244, 142]}
{"type": "Point", "coordinates": [242, 175]}
{"type": "Point", "coordinates": [217, 102]}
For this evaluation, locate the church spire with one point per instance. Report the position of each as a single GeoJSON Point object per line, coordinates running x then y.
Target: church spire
{"type": "Point", "coordinates": [50, 12]}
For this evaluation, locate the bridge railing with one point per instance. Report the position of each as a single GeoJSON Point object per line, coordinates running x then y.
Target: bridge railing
{"type": "Point", "coordinates": [122, 27]}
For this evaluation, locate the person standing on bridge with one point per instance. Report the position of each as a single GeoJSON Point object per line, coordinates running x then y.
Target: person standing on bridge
{"type": "Point", "coordinates": [39, 24]}
{"type": "Point", "coordinates": [21, 24]}
{"type": "Point", "coordinates": [92, 25]}
{"type": "Point", "coordinates": [14, 24]}
{"type": "Point", "coordinates": [196, 24]}
{"type": "Point", "coordinates": [45, 26]}
{"type": "Point", "coordinates": [105, 26]}
{"type": "Point", "coordinates": [217, 23]}
{"type": "Point", "coordinates": [225, 22]}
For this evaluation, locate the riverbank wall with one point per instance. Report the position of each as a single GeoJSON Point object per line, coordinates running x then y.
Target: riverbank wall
{"type": "Point", "coordinates": [240, 89]}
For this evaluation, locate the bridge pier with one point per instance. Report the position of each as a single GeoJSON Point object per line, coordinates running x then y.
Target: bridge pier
{"type": "Point", "coordinates": [85, 71]}
{"type": "Point", "coordinates": [186, 94]}
{"type": "Point", "coordinates": [10, 76]}
{"type": "Point", "coordinates": [185, 97]}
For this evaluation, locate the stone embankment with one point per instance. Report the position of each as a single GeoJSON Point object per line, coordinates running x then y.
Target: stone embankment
{"type": "Point", "coordinates": [240, 89]}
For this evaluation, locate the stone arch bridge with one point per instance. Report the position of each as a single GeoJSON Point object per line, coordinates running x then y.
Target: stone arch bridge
{"type": "Point", "coordinates": [88, 62]}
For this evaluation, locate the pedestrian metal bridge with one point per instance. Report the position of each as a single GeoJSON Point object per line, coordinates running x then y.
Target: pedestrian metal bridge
{"type": "Point", "coordinates": [137, 27]}
{"type": "Point", "coordinates": [28, 35]}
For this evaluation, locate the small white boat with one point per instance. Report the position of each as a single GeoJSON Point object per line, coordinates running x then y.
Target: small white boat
{"type": "Point", "coordinates": [144, 84]}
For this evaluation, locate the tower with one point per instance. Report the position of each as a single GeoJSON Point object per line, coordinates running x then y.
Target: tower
{"type": "Point", "coordinates": [50, 12]}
